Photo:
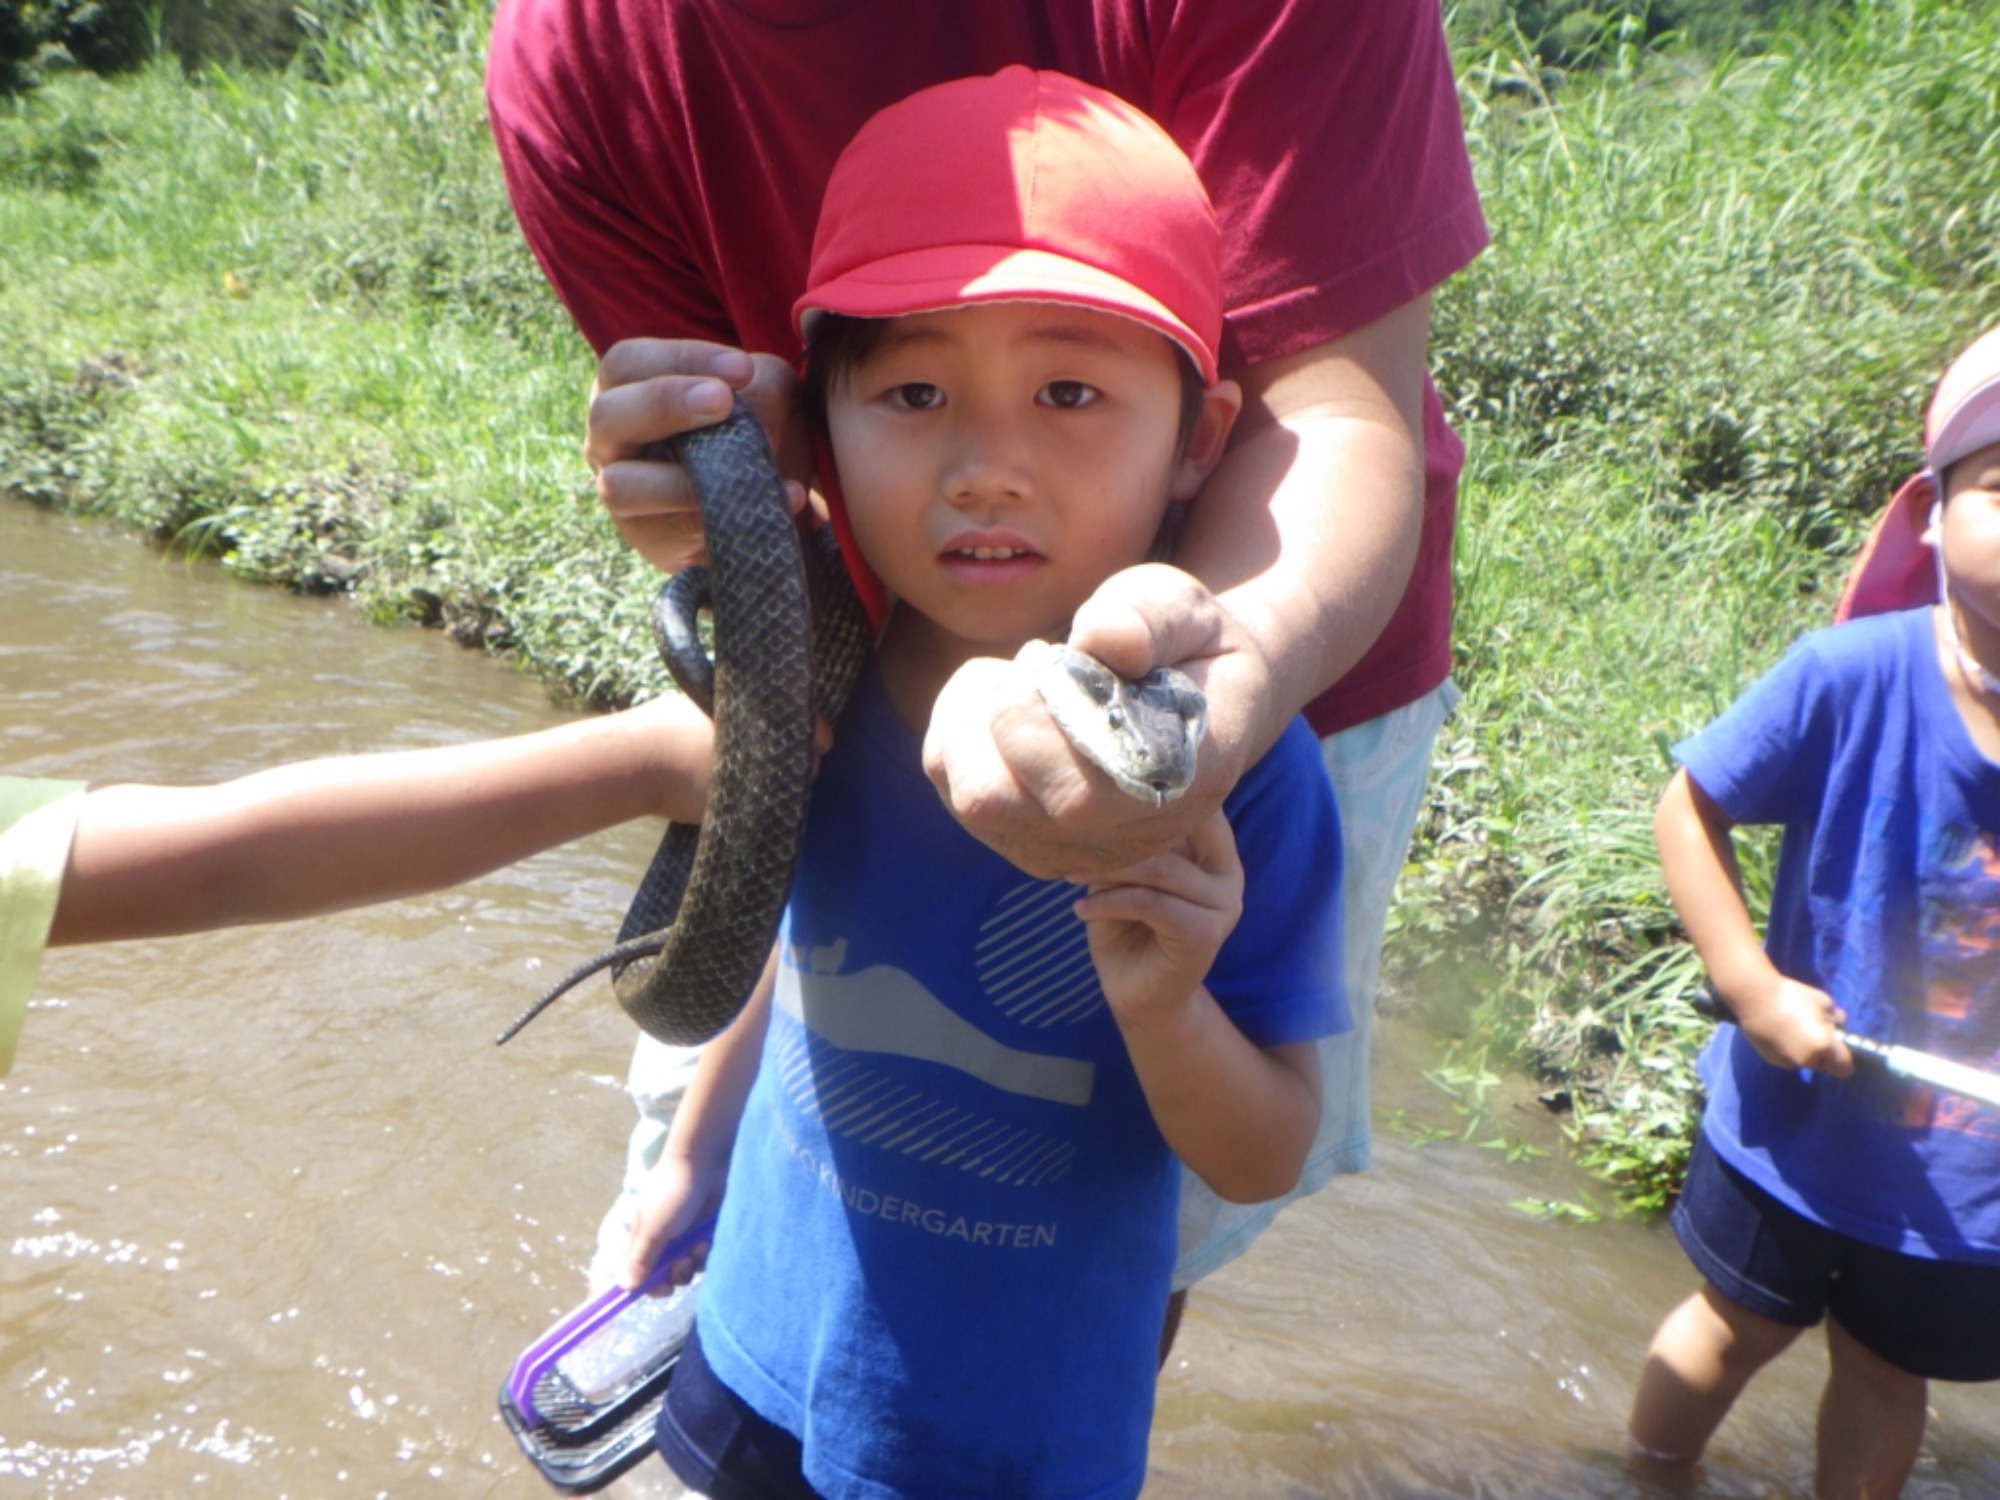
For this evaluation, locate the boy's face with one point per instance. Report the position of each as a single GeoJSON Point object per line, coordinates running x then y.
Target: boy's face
{"type": "Point", "coordinates": [1000, 461]}
{"type": "Point", "coordinates": [1969, 538]}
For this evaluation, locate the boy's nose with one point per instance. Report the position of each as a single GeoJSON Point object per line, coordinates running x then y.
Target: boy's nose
{"type": "Point", "coordinates": [990, 463]}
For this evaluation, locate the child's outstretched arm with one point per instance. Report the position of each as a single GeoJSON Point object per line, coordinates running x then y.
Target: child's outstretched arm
{"type": "Point", "coordinates": [1241, 1116]}
{"type": "Point", "coordinates": [1792, 1025]}
{"type": "Point", "coordinates": [322, 835]}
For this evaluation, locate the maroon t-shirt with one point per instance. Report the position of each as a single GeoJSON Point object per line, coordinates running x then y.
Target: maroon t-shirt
{"type": "Point", "coordinates": [666, 160]}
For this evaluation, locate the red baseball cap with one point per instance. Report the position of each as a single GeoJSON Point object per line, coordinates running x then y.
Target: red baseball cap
{"type": "Point", "coordinates": [1897, 568]}
{"type": "Point", "coordinates": [1020, 186]}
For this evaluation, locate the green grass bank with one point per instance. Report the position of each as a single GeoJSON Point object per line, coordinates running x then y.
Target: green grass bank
{"type": "Point", "coordinates": [283, 318]}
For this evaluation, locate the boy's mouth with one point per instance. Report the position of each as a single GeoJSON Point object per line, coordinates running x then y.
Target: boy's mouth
{"type": "Point", "coordinates": [982, 556]}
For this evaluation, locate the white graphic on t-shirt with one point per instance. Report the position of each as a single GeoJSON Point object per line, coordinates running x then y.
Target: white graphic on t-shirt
{"type": "Point", "coordinates": [882, 1009]}
{"type": "Point", "coordinates": [1034, 961]}
{"type": "Point", "coordinates": [1034, 964]}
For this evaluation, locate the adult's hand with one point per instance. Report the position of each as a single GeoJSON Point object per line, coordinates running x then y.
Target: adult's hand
{"type": "Point", "coordinates": [1013, 779]}
{"type": "Point", "coordinates": [648, 390]}
{"type": "Point", "coordinates": [1302, 540]}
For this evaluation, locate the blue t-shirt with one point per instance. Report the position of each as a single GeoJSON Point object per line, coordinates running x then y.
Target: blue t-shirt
{"type": "Point", "coordinates": [944, 1253]}
{"type": "Point", "coordinates": [1888, 898]}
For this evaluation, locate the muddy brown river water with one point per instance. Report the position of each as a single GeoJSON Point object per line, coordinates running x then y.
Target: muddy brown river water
{"type": "Point", "coordinates": [276, 1217]}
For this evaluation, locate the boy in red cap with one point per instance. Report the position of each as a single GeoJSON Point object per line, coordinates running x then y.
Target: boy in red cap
{"type": "Point", "coordinates": [1817, 1190]}
{"type": "Point", "coordinates": [949, 1125]}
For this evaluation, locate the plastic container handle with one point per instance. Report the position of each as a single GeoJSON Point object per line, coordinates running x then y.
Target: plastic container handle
{"type": "Point", "coordinates": [541, 1356]}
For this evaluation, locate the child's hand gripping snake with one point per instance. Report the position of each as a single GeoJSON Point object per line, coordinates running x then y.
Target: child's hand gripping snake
{"type": "Point", "coordinates": [790, 638]}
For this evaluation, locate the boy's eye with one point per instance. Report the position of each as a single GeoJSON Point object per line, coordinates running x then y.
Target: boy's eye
{"type": "Point", "coordinates": [1068, 394]}
{"type": "Point", "coordinates": [916, 395]}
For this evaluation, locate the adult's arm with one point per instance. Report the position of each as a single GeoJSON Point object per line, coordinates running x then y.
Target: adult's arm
{"type": "Point", "coordinates": [1304, 538]}
{"type": "Point", "coordinates": [324, 835]}
{"type": "Point", "coordinates": [1308, 530]}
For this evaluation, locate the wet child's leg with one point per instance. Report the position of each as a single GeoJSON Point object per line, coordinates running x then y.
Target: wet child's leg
{"type": "Point", "coordinates": [1897, 1322]}
{"type": "Point", "coordinates": [1766, 1274]}
{"type": "Point", "coordinates": [1871, 1422]}
{"type": "Point", "coordinates": [1700, 1360]}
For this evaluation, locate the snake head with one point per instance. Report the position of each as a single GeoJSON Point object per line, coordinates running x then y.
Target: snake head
{"type": "Point", "coordinates": [1144, 735]}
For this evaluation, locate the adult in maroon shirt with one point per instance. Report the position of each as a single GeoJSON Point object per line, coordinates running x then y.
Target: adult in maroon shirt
{"type": "Point", "coordinates": [666, 160]}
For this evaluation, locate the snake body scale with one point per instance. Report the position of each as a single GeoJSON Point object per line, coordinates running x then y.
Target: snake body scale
{"type": "Point", "coordinates": [790, 638]}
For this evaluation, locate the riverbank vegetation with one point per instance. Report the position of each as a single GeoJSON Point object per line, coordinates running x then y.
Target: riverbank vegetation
{"type": "Point", "coordinates": [278, 313]}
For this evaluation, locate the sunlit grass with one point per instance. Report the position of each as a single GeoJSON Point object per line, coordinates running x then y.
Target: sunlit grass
{"type": "Point", "coordinates": [1692, 366]}
{"type": "Point", "coordinates": [322, 334]}
{"type": "Point", "coordinates": [287, 317]}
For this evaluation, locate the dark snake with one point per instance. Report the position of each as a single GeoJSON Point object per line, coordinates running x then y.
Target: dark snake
{"type": "Point", "coordinates": [790, 637]}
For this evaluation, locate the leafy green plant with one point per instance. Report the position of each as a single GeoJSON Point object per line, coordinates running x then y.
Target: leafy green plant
{"type": "Point", "coordinates": [1558, 1208]}
{"type": "Point", "coordinates": [1466, 1081]}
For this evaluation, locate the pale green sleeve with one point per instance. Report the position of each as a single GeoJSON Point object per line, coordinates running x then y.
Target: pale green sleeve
{"type": "Point", "coordinates": [36, 821]}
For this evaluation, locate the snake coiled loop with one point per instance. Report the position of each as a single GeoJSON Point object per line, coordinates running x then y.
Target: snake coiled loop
{"type": "Point", "coordinates": [789, 638]}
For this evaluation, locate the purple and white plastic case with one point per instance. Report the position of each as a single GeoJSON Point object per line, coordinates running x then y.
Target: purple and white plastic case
{"type": "Point", "coordinates": [590, 1320]}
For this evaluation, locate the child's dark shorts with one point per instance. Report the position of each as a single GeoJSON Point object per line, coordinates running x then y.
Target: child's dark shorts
{"type": "Point", "coordinates": [717, 1445]}
{"type": "Point", "coordinates": [1935, 1318]}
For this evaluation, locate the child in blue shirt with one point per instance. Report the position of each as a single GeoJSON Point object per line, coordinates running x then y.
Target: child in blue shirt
{"type": "Point", "coordinates": [1816, 1189]}
{"type": "Point", "coordinates": [950, 1119]}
